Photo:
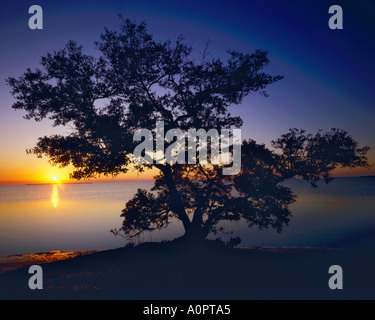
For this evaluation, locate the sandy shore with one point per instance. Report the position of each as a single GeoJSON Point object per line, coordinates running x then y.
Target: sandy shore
{"type": "Point", "coordinates": [16, 261]}
{"type": "Point", "coordinates": [175, 271]}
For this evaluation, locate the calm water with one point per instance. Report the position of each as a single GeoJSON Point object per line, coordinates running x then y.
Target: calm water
{"type": "Point", "coordinates": [79, 217]}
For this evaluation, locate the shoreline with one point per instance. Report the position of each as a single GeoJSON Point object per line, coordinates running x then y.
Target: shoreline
{"type": "Point", "coordinates": [177, 270]}
{"type": "Point", "coordinates": [9, 262]}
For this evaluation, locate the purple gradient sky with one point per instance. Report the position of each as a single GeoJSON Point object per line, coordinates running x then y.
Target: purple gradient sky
{"type": "Point", "coordinates": [328, 73]}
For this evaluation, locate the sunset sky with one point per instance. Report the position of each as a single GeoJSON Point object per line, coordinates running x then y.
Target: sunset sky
{"type": "Point", "coordinates": [328, 73]}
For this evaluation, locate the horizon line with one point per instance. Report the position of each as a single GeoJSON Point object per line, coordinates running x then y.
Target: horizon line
{"type": "Point", "coordinates": [23, 183]}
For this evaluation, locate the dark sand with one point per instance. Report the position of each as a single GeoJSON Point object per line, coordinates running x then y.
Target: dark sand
{"type": "Point", "coordinates": [178, 271]}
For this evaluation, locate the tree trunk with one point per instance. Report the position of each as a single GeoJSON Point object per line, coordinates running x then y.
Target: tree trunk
{"type": "Point", "coordinates": [194, 234]}
{"type": "Point", "coordinates": [193, 229]}
{"type": "Point", "coordinates": [175, 199]}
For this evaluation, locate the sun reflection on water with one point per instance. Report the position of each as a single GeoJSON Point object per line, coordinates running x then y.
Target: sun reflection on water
{"type": "Point", "coordinates": [55, 195]}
